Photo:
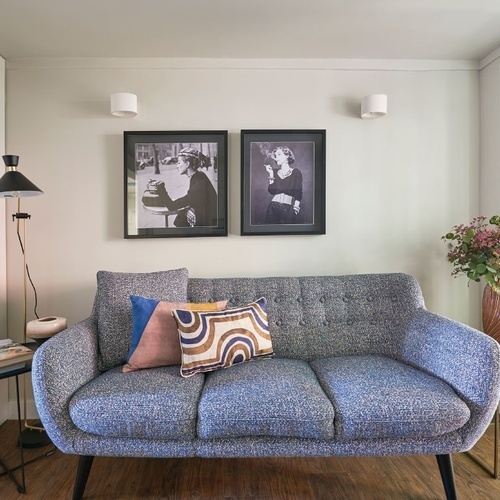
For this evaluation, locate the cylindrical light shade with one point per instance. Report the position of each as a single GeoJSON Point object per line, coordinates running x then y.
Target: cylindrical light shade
{"type": "Point", "coordinates": [14, 184]}
{"type": "Point", "coordinates": [374, 106]}
{"type": "Point", "coordinates": [124, 105]}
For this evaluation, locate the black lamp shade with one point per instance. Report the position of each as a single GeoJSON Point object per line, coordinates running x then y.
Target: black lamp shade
{"type": "Point", "coordinates": [13, 184]}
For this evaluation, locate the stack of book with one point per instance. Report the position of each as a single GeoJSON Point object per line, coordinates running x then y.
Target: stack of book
{"type": "Point", "coordinates": [13, 355]}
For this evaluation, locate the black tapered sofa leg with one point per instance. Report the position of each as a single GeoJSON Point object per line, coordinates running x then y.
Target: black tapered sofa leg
{"type": "Point", "coordinates": [82, 474]}
{"type": "Point", "coordinates": [447, 475]}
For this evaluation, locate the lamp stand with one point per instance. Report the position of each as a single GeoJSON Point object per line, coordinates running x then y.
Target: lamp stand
{"type": "Point", "coordinates": [33, 436]}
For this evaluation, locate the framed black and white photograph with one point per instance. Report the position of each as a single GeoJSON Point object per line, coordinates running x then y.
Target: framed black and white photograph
{"type": "Point", "coordinates": [283, 182]}
{"type": "Point", "coordinates": [175, 184]}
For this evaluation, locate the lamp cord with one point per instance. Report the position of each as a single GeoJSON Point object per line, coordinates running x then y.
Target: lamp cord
{"type": "Point", "coordinates": [35, 294]}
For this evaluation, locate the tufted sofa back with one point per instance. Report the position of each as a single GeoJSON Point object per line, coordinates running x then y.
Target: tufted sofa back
{"type": "Point", "coordinates": [319, 316]}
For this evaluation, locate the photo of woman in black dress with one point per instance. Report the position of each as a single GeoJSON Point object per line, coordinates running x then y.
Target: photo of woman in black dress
{"type": "Point", "coordinates": [285, 186]}
{"type": "Point", "coordinates": [282, 182]}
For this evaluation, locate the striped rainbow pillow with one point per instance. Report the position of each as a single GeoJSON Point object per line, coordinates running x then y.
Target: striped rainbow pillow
{"type": "Point", "coordinates": [218, 339]}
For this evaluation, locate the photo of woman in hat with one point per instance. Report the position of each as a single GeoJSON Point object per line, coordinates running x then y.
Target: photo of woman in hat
{"type": "Point", "coordinates": [200, 201]}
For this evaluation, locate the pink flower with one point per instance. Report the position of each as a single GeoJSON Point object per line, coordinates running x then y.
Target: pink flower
{"type": "Point", "coordinates": [475, 250]}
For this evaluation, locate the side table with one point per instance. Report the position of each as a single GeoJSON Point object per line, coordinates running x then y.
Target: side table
{"type": "Point", "coordinates": [21, 486]}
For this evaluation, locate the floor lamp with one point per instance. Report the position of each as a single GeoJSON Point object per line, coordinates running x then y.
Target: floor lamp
{"type": "Point", "coordinates": [13, 184]}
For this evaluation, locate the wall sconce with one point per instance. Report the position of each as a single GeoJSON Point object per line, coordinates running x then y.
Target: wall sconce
{"type": "Point", "coordinates": [373, 106]}
{"type": "Point", "coordinates": [124, 105]}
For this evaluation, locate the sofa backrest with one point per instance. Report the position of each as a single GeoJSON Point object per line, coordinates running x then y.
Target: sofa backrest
{"type": "Point", "coordinates": [319, 316]}
{"type": "Point", "coordinates": [112, 309]}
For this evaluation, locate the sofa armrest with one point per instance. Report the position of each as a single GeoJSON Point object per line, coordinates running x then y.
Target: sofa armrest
{"type": "Point", "coordinates": [467, 359]}
{"type": "Point", "coordinates": [60, 367]}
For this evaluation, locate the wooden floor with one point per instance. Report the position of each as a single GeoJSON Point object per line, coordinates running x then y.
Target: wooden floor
{"type": "Point", "coordinates": [389, 478]}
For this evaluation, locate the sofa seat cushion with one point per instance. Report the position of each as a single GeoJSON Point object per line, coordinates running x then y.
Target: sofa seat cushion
{"type": "Point", "coordinates": [378, 397]}
{"type": "Point", "coordinates": [147, 404]}
{"type": "Point", "coordinates": [266, 397]}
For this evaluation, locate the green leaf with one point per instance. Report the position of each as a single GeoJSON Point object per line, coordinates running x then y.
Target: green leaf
{"type": "Point", "coordinates": [481, 268]}
{"type": "Point", "coordinates": [472, 275]}
{"type": "Point", "coordinates": [469, 236]}
{"type": "Point", "coordinates": [489, 279]}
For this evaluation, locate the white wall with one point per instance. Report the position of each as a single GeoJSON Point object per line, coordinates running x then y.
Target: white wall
{"type": "Point", "coordinates": [394, 185]}
{"type": "Point", "coordinates": [3, 249]}
{"type": "Point", "coordinates": [490, 131]}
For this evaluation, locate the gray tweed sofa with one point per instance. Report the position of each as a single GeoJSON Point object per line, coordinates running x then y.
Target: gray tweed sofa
{"type": "Point", "coordinates": [360, 368]}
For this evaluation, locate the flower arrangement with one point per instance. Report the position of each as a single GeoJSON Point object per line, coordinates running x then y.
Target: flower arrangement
{"type": "Point", "coordinates": [475, 250]}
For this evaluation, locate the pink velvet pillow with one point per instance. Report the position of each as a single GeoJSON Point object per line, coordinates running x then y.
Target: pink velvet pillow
{"type": "Point", "coordinates": [155, 338]}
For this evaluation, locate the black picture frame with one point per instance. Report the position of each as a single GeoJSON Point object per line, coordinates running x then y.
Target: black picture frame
{"type": "Point", "coordinates": [261, 217]}
{"type": "Point", "coordinates": [151, 170]}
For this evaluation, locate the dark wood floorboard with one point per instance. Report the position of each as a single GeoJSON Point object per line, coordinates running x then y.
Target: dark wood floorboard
{"type": "Point", "coordinates": [369, 478]}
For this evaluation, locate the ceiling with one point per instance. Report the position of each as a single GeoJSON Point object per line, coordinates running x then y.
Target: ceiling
{"type": "Point", "coordinates": [333, 29]}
